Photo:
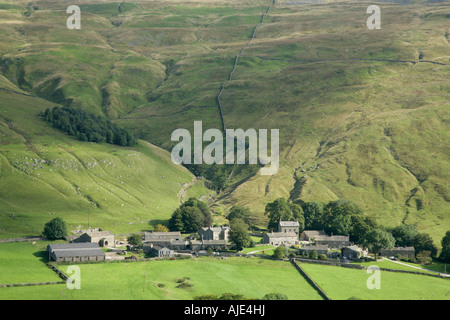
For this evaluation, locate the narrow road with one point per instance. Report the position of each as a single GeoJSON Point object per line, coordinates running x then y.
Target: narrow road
{"type": "Point", "coordinates": [408, 265]}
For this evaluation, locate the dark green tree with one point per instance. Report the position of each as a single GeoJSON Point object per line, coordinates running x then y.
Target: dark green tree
{"type": "Point", "coordinates": [135, 240]}
{"type": "Point", "coordinates": [404, 235]}
{"type": "Point", "coordinates": [282, 210]}
{"type": "Point", "coordinates": [192, 218]}
{"type": "Point", "coordinates": [239, 236]}
{"type": "Point", "coordinates": [377, 239]}
{"type": "Point", "coordinates": [424, 242]}
{"type": "Point", "coordinates": [280, 252]}
{"type": "Point", "coordinates": [445, 253]}
{"type": "Point", "coordinates": [312, 212]}
{"type": "Point", "coordinates": [55, 229]}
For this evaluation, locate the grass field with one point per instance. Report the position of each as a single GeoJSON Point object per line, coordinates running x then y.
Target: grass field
{"type": "Point", "coordinates": [251, 277]}
{"type": "Point", "coordinates": [24, 263]}
{"type": "Point", "coordinates": [342, 283]}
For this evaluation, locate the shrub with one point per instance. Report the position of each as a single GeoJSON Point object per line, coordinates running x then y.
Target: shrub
{"type": "Point", "coordinates": [313, 254]}
{"type": "Point", "coordinates": [322, 257]}
{"type": "Point", "coordinates": [275, 296]}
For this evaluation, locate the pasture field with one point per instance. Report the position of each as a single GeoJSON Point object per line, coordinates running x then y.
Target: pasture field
{"type": "Point", "coordinates": [435, 266]}
{"type": "Point", "coordinates": [251, 277]}
{"type": "Point", "coordinates": [161, 279]}
{"type": "Point", "coordinates": [342, 283]}
{"type": "Point", "coordinates": [25, 263]}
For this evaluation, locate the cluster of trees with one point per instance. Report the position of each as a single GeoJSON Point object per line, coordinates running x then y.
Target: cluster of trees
{"type": "Point", "coordinates": [86, 126]}
{"type": "Point", "coordinates": [192, 215]}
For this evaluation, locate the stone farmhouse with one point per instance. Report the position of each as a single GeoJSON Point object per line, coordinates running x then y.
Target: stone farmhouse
{"type": "Point", "coordinates": [215, 238]}
{"type": "Point", "coordinates": [320, 237]}
{"type": "Point", "coordinates": [289, 226]}
{"type": "Point", "coordinates": [74, 252]}
{"type": "Point", "coordinates": [214, 233]}
{"type": "Point", "coordinates": [103, 238]}
{"type": "Point", "coordinates": [280, 238]}
{"type": "Point", "coordinates": [288, 234]}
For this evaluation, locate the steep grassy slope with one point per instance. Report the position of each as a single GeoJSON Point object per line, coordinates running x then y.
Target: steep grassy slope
{"type": "Point", "coordinates": [45, 174]}
{"type": "Point", "coordinates": [355, 122]}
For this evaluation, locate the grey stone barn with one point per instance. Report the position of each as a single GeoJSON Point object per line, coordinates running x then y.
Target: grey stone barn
{"type": "Point", "coordinates": [103, 238]}
{"type": "Point", "coordinates": [310, 235]}
{"type": "Point", "coordinates": [404, 252]}
{"type": "Point", "coordinates": [75, 252]}
{"type": "Point", "coordinates": [333, 241]}
{"type": "Point", "coordinates": [197, 245]}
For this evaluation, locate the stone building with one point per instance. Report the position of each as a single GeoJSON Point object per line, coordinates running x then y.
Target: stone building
{"type": "Point", "coordinates": [102, 238]}
{"type": "Point", "coordinates": [75, 252]}
{"type": "Point", "coordinates": [320, 237]}
{"type": "Point", "coordinates": [214, 233]}
{"type": "Point", "coordinates": [197, 245]}
{"type": "Point", "coordinates": [333, 241]}
{"type": "Point", "coordinates": [353, 252]}
{"type": "Point", "coordinates": [310, 235]}
{"type": "Point", "coordinates": [159, 251]}
{"type": "Point", "coordinates": [404, 252]}
{"type": "Point", "coordinates": [289, 226]}
{"type": "Point", "coordinates": [280, 238]}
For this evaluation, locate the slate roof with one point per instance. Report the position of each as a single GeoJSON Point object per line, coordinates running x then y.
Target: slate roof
{"type": "Point", "coordinates": [61, 250]}
{"type": "Point", "coordinates": [289, 223]}
{"type": "Point", "coordinates": [281, 234]}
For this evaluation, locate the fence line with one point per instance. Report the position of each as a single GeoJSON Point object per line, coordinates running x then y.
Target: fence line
{"type": "Point", "coordinates": [236, 60]}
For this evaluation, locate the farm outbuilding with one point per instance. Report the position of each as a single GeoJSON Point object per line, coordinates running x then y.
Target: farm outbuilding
{"type": "Point", "coordinates": [74, 252]}
{"type": "Point", "coordinates": [158, 250]}
{"type": "Point", "coordinates": [404, 252]}
{"type": "Point", "coordinates": [102, 238]}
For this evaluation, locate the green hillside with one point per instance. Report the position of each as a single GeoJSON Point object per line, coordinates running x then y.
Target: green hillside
{"type": "Point", "coordinates": [45, 173]}
{"type": "Point", "coordinates": [363, 114]}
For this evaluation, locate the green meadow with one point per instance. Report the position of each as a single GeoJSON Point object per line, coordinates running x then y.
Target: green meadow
{"type": "Point", "coordinates": [343, 283]}
{"type": "Point", "coordinates": [185, 279]}
{"type": "Point", "coordinates": [151, 280]}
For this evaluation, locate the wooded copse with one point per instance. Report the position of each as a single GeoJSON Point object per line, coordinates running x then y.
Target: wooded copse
{"type": "Point", "coordinates": [86, 126]}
